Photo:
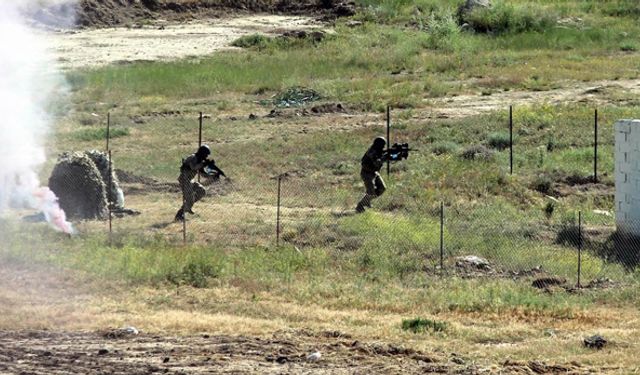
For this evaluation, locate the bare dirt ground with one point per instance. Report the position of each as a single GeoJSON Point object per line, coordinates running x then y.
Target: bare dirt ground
{"type": "Point", "coordinates": [51, 324]}
{"type": "Point", "coordinates": [33, 295]}
{"type": "Point", "coordinates": [40, 352]}
{"type": "Point", "coordinates": [164, 41]}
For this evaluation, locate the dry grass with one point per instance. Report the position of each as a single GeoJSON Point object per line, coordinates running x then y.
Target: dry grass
{"type": "Point", "coordinates": [55, 303]}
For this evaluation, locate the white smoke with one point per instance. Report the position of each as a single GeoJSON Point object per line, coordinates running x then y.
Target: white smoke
{"type": "Point", "coordinates": [28, 80]}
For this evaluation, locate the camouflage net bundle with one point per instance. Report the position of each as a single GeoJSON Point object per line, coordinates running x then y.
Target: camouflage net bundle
{"type": "Point", "coordinates": [80, 181]}
{"type": "Point", "coordinates": [79, 186]}
{"type": "Point", "coordinates": [115, 194]}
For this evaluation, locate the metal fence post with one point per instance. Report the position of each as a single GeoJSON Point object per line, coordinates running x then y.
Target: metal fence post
{"type": "Point", "coordinates": [441, 236]}
{"type": "Point", "coordinates": [200, 131]}
{"type": "Point", "coordinates": [579, 247]}
{"type": "Point", "coordinates": [595, 147]}
{"type": "Point", "coordinates": [108, 129]}
{"type": "Point", "coordinates": [388, 138]}
{"type": "Point", "coordinates": [510, 139]}
{"type": "Point", "coordinates": [278, 212]}
{"type": "Point", "coordinates": [199, 137]}
{"type": "Point", "coordinates": [184, 223]}
{"type": "Point", "coordinates": [109, 192]}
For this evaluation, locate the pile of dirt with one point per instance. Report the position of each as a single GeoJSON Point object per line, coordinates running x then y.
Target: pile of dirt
{"type": "Point", "coordinates": [106, 13]}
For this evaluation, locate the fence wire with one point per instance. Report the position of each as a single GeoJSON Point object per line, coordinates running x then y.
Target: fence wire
{"type": "Point", "coordinates": [414, 233]}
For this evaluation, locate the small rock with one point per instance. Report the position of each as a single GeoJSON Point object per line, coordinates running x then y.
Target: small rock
{"type": "Point", "coordinates": [103, 352]}
{"type": "Point", "coordinates": [165, 360]}
{"type": "Point", "coordinates": [314, 357]}
{"type": "Point", "coordinates": [252, 117]}
{"type": "Point", "coordinates": [602, 212]}
{"type": "Point", "coordinates": [595, 342]}
{"type": "Point", "coordinates": [353, 23]}
{"type": "Point", "coordinates": [473, 261]}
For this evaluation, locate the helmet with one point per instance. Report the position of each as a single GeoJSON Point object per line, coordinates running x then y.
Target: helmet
{"type": "Point", "coordinates": [203, 152]}
{"type": "Point", "coordinates": [379, 142]}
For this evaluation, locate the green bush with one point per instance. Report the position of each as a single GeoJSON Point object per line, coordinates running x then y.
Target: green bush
{"type": "Point", "coordinates": [499, 141]}
{"type": "Point", "coordinates": [443, 31]}
{"type": "Point", "coordinates": [252, 41]}
{"type": "Point", "coordinates": [542, 184]}
{"type": "Point", "coordinates": [444, 147]}
{"type": "Point", "coordinates": [419, 325]}
{"type": "Point", "coordinates": [477, 152]}
{"type": "Point", "coordinates": [621, 8]}
{"type": "Point", "coordinates": [504, 17]}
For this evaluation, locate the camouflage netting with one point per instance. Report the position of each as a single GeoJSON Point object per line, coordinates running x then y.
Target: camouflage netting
{"type": "Point", "coordinates": [115, 194]}
{"type": "Point", "coordinates": [79, 186]}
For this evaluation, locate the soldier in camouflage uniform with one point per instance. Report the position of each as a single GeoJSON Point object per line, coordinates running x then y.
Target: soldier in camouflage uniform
{"type": "Point", "coordinates": [372, 162]}
{"type": "Point", "coordinates": [193, 191]}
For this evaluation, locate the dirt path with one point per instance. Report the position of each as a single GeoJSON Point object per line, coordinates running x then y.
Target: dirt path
{"type": "Point", "coordinates": [163, 41]}
{"type": "Point", "coordinates": [593, 93]}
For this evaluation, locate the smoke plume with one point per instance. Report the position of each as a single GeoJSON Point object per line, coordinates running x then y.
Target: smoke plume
{"type": "Point", "coordinates": [28, 81]}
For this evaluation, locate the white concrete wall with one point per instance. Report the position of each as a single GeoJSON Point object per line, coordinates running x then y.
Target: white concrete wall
{"type": "Point", "coordinates": [627, 172]}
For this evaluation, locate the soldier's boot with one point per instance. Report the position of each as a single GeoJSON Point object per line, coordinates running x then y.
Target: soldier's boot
{"type": "Point", "coordinates": [360, 208]}
{"type": "Point", "coordinates": [179, 215]}
{"type": "Point", "coordinates": [190, 211]}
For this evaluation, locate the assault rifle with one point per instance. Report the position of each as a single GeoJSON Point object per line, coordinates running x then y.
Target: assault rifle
{"type": "Point", "coordinates": [210, 169]}
{"type": "Point", "coordinates": [398, 151]}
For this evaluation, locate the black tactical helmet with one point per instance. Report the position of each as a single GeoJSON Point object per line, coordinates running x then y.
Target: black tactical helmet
{"type": "Point", "coordinates": [203, 152]}
{"type": "Point", "coordinates": [379, 143]}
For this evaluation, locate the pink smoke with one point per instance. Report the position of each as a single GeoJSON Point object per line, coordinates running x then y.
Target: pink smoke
{"type": "Point", "coordinates": [29, 81]}
{"type": "Point", "coordinates": [47, 202]}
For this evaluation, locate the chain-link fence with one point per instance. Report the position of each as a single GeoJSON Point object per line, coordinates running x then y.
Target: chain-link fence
{"type": "Point", "coordinates": [407, 230]}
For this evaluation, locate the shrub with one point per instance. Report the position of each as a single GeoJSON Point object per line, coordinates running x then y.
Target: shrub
{"type": "Point", "coordinates": [252, 41]}
{"type": "Point", "coordinates": [622, 8]}
{"type": "Point", "coordinates": [499, 141]}
{"type": "Point", "coordinates": [195, 273]}
{"type": "Point", "coordinates": [445, 147]}
{"type": "Point", "coordinates": [542, 184]}
{"type": "Point", "coordinates": [419, 325]}
{"type": "Point", "coordinates": [477, 152]}
{"type": "Point", "coordinates": [504, 17]}
{"type": "Point", "coordinates": [443, 31]}
{"type": "Point", "coordinates": [628, 47]}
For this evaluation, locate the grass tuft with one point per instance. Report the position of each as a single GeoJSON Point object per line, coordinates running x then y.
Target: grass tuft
{"type": "Point", "coordinates": [419, 325]}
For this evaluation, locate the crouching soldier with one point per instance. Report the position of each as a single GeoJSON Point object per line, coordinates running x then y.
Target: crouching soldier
{"type": "Point", "coordinates": [193, 191]}
{"type": "Point", "coordinates": [372, 162]}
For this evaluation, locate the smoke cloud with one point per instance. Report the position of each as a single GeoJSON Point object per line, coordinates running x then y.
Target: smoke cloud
{"type": "Point", "coordinates": [28, 82]}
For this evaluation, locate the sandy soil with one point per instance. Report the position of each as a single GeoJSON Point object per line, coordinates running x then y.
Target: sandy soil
{"type": "Point", "coordinates": [164, 41]}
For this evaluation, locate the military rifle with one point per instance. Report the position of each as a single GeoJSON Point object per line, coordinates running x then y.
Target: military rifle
{"type": "Point", "coordinates": [398, 151]}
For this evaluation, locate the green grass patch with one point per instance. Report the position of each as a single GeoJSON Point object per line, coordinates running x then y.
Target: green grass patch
{"type": "Point", "coordinates": [420, 325]}
{"type": "Point", "coordinates": [95, 134]}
